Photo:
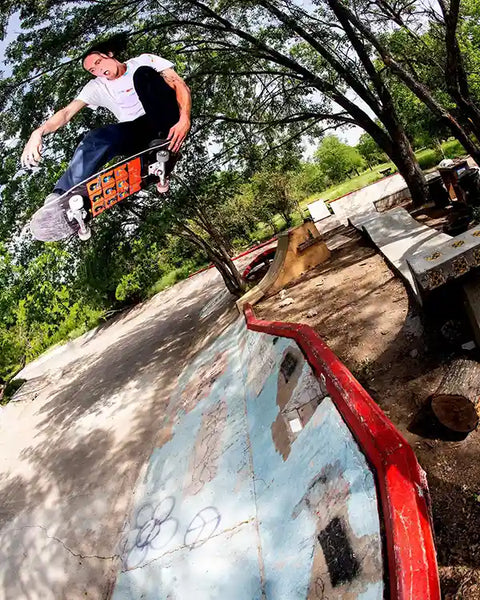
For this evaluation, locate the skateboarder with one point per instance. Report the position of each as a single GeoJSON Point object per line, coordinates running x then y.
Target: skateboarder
{"type": "Point", "coordinates": [147, 97]}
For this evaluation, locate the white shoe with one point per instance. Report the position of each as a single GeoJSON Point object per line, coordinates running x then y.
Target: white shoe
{"type": "Point", "coordinates": [52, 197]}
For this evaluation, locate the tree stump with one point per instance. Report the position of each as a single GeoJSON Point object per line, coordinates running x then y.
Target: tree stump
{"type": "Point", "coordinates": [456, 401]}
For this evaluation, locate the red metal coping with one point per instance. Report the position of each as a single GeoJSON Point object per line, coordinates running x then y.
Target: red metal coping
{"type": "Point", "coordinates": [257, 260]}
{"type": "Point", "coordinates": [402, 484]}
{"type": "Point", "coordinates": [244, 253]}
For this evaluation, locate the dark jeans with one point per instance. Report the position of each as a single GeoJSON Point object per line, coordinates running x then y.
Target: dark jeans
{"type": "Point", "coordinates": [101, 145]}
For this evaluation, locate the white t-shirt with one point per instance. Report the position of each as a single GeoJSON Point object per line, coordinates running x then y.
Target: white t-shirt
{"type": "Point", "coordinates": [119, 95]}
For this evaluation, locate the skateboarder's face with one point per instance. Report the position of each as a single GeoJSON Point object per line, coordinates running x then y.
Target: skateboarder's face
{"type": "Point", "coordinates": [102, 65]}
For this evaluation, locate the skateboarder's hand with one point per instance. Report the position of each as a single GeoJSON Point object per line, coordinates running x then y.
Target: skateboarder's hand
{"type": "Point", "coordinates": [32, 153]}
{"type": "Point", "coordinates": [177, 134]}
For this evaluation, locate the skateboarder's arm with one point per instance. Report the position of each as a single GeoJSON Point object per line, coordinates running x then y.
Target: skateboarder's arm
{"type": "Point", "coordinates": [32, 152]}
{"type": "Point", "coordinates": [178, 132]}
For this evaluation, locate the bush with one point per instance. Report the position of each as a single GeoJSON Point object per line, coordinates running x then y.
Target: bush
{"type": "Point", "coordinates": [170, 278]}
{"type": "Point", "coordinates": [10, 389]}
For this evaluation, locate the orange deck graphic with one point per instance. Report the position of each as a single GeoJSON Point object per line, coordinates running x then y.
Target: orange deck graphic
{"type": "Point", "coordinates": [109, 188]}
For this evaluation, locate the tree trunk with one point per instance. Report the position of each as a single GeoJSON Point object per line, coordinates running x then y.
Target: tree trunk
{"type": "Point", "coordinates": [455, 403]}
{"type": "Point", "coordinates": [233, 280]}
{"type": "Point", "coordinates": [230, 280]}
{"type": "Point", "coordinates": [406, 162]}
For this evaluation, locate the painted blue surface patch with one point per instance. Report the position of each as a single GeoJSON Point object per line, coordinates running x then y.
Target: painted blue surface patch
{"type": "Point", "coordinates": [324, 477]}
{"type": "Point", "coordinates": [224, 511]}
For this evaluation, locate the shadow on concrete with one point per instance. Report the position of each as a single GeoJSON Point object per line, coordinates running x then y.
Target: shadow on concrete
{"type": "Point", "coordinates": [64, 508]}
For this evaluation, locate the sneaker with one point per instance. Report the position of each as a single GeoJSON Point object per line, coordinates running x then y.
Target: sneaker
{"type": "Point", "coordinates": [52, 197]}
{"type": "Point", "coordinates": [157, 142]}
{"type": "Point", "coordinates": [163, 188]}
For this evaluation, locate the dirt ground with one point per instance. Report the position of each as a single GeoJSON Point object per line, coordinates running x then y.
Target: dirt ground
{"type": "Point", "coordinates": [362, 310]}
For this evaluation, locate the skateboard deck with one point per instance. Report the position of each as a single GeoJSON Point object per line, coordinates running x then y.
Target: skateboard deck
{"type": "Point", "coordinates": [70, 213]}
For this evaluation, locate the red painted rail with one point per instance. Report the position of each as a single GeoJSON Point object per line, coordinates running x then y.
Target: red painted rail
{"type": "Point", "coordinates": [244, 253]}
{"type": "Point", "coordinates": [401, 482]}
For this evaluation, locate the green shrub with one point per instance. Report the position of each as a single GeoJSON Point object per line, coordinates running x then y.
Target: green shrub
{"type": "Point", "coordinates": [173, 276]}
{"type": "Point", "coordinates": [10, 389]}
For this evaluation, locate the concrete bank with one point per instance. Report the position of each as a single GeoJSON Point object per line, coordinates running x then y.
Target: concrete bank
{"type": "Point", "coordinates": [261, 489]}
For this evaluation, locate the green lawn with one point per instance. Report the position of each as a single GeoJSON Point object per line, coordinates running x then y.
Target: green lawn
{"type": "Point", "coordinates": [451, 149]}
{"type": "Point", "coordinates": [355, 183]}
{"type": "Point", "coordinates": [427, 157]}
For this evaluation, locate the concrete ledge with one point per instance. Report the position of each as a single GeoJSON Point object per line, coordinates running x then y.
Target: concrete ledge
{"type": "Point", "coordinates": [450, 259]}
{"type": "Point", "coordinates": [397, 235]}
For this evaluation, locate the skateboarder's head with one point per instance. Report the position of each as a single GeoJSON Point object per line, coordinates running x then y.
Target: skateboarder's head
{"type": "Point", "coordinates": [102, 65]}
{"type": "Point", "coordinates": [101, 60]}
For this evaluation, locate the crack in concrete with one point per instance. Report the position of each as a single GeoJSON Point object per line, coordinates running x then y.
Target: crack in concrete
{"type": "Point", "coordinates": [56, 539]}
{"type": "Point", "coordinates": [189, 546]}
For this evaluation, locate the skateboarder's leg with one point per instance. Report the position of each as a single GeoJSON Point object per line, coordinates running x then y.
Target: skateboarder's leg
{"type": "Point", "coordinates": [96, 149]}
{"type": "Point", "coordinates": [161, 110]}
{"type": "Point", "coordinates": [158, 99]}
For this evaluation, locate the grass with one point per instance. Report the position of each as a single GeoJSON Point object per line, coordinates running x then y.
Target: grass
{"type": "Point", "coordinates": [355, 183]}
{"type": "Point", "coordinates": [174, 276]}
{"type": "Point", "coordinates": [451, 149]}
{"type": "Point", "coordinates": [264, 231]}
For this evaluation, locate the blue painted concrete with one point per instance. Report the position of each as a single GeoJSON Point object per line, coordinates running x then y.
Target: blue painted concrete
{"type": "Point", "coordinates": [225, 511]}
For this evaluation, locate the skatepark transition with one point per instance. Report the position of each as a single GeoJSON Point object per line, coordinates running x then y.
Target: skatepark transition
{"type": "Point", "coordinates": [280, 479]}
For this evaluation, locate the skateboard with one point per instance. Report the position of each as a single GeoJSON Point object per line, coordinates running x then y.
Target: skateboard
{"type": "Point", "coordinates": [72, 212]}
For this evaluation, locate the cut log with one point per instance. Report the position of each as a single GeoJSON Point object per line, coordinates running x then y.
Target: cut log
{"type": "Point", "coordinates": [456, 401]}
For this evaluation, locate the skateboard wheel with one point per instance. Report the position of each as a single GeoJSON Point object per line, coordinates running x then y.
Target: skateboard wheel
{"type": "Point", "coordinates": [162, 156]}
{"type": "Point", "coordinates": [85, 235]}
{"type": "Point", "coordinates": [76, 202]}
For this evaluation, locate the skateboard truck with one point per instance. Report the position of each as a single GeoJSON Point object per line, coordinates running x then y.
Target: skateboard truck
{"type": "Point", "coordinates": [158, 168]}
{"type": "Point", "coordinates": [78, 213]}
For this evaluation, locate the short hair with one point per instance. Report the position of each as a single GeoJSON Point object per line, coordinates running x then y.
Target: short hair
{"type": "Point", "coordinates": [115, 44]}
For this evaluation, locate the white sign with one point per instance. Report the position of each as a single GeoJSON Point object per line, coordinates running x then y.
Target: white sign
{"type": "Point", "coordinates": [318, 210]}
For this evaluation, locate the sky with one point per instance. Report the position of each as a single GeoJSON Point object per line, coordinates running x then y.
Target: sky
{"type": "Point", "coordinates": [13, 30]}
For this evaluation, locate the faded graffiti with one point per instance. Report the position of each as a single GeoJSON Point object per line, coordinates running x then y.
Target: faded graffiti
{"type": "Point", "coordinates": [201, 382]}
{"type": "Point", "coordinates": [335, 565]}
{"type": "Point", "coordinates": [309, 390]}
{"type": "Point", "coordinates": [288, 378]}
{"type": "Point", "coordinates": [300, 502]}
{"type": "Point", "coordinates": [202, 527]}
{"type": "Point", "coordinates": [208, 447]}
{"type": "Point", "coordinates": [154, 529]}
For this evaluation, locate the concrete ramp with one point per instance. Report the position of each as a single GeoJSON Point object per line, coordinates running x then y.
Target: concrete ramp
{"type": "Point", "coordinates": [263, 484]}
{"type": "Point", "coordinates": [298, 250]}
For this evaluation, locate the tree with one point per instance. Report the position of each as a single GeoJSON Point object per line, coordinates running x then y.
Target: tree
{"type": "Point", "coordinates": [337, 160]}
{"type": "Point", "coordinates": [369, 150]}
{"type": "Point", "coordinates": [308, 180]}
{"type": "Point", "coordinates": [423, 62]}
{"type": "Point", "coordinates": [272, 189]}
{"type": "Point", "coordinates": [305, 68]}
